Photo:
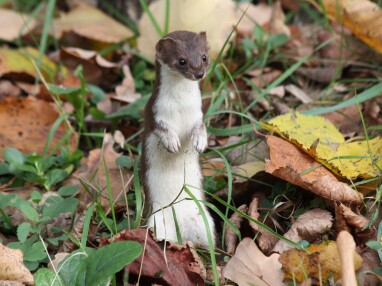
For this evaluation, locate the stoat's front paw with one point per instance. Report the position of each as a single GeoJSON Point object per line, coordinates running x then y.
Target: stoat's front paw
{"type": "Point", "coordinates": [170, 141]}
{"type": "Point", "coordinates": [199, 139]}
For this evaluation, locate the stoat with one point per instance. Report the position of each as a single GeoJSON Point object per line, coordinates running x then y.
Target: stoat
{"type": "Point", "coordinates": [174, 137]}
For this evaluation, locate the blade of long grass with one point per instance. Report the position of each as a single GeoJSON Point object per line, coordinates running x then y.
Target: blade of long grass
{"type": "Point", "coordinates": [209, 235]}
{"type": "Point", "coordinates": [87, 220]}
{"type": "Point", "coordinates": [154, 22]}
{"type": "Point", "coordinates": [52, 131]}
{"type": "Point", "coordinates": [111, 201]}
{"type": "Point", "coordinates": [368, 94]}
{"type": "Point", "coordinates": [45, 31]}
{"type": "Point", "coordinates": [138, 196]}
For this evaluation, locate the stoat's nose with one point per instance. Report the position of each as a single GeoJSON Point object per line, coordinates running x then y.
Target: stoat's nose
{"type": "Point", "coordinates": [199, 75]}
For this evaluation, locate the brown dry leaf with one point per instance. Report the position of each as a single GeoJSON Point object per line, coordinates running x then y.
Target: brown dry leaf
{"type": "Point", "coordinates": [347, 121]}
{"type": "Point", "coordinates": [308, 226]}
{"type": "Point", "coordinates": [212, 167]}
{"type": "Point", "coordinates": [356, 220]}
{"type": "Point", "coordinates": [125, 92]}
{"type": "Point", "coordinates": [17, 130]}
{"type": "Point", "coordinates": [97, 70]}
{"type": "Point", "coordinates": [7, 88]}
{"type": "Point", "coordinates": [362, 17]}
{"type": "Point", "coordinates": [265, 240]}
{"type": "Point", "coordinates": [13, 24]}
{"type": "Point", "coordinates": [216, 17]}
{"type": "Point", "coordinates": [277, 25]}
{"type": "Point", "coordinates": [322, 262]}
{"type": "Point", "coordinates": [171, 265]}
{"type": "Point", "coordinates": [254, 15]}
{"type": "Point", "coordinates": [89, 22]}
{"type": "Point", "coordinates": [290, 164]}
{"type": "Point", "coordinates": [93, 174]}
{"type": "Point", "coordinates": [230, 235]}
{"type": "Point", "coordinates": [12, 267]}
{"type": "Point", "coordinates": [250, 266]}
{"type": "Point", "coordinates": [371, 261]}
{"type": "Point", "coordinates": [298, 93]}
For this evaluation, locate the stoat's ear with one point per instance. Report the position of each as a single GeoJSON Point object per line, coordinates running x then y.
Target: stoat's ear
{"type": "Point", "coordinates": [203, 37]}
{"type": "Point", "coordinates": [165, 44]}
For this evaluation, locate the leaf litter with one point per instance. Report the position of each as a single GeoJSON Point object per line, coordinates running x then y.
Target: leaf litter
{"type": "Point", "coordinates": [320, 165]}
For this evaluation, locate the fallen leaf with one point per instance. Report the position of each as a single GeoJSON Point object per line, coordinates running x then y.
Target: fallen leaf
{"type": "Point", "coordinates": [247, 170]}
{"type": "Point", "coordinates": [93, 175]}
{"type": "Point", "coordinates": [366, 276]}
{"type": "Point", "coordinates": [216, 17]}
{"type": "Point", "coordinates": [254, 15]}
{"type": "Point", "coordinates": [126, 90]}
{"type": "Point", "coordinates": [213, 167]}
{"type": "Point", "coordinates": [96, 69]}
{"type": "Point", "coordinates": [91, 23]}
{"type": "Point", "coordinates": [264, 239]}
{"type": "Point", "coordinates": [324, 142]}
{"type": "Point", "coordinates": [21, 65]}
{"type": "Point", "coordinates": [230, 235]}
{"type": "Point", "coordinates": [308, 226]}
{"type": "Point", "coordinates": [250, 266]}
{"type": "Point", "coordinates": [322, 262]}
{"type": "Point", "coordinates": [13, 24]}
{"type": "Point", "coordinates": [19, 131]}
{"type": "Point", "coordinates": [362, 17]}
{"type": "Point", "coordinates": [277, 25]}
{"type": "Point", "coordinates": [162, 265]}
{"type": "Point", "coordinates": [12, 267]}
{"type": "Point", "coordinates": [356, 220]}
{"type": "Point", "coordinates": [291, 164]}
{"type": "Point", "coordinates": [298, 93]}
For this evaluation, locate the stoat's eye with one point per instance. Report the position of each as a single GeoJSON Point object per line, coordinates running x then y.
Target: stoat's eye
{"type": "Point", "coordinates": [182, 62]}
{"type": "Point", "coordinates": [204, 58]}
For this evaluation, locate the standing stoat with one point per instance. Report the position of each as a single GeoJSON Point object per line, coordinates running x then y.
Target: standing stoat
{"type": "Point", "coordinates": [174, 136]}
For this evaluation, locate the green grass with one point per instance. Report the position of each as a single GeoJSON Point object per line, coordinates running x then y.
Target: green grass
{"type": "Point", "coordinates": [48, 170]}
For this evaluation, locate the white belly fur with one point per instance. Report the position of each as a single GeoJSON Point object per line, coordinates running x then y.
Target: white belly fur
{"type": "Point", "coordinates": [179, 106]}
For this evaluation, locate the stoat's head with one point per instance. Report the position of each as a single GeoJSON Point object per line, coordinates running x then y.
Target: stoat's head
{"type": "Point", "coordinates": [185, 53]}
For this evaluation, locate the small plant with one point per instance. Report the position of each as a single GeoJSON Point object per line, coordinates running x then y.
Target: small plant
{"type": "Point", "coordinates": [45, 171]}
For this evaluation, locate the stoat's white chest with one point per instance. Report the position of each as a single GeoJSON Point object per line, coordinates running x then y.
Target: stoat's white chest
{"type": "Point", "coordinates": [178, 103]}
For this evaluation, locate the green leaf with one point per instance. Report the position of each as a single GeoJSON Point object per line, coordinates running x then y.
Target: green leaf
{"type": "Point", "coordinates": [28, 210]}
{"type": "Point", "coordinates": [4, 168]}
{"type": "Point", "coordinates": [57, 205]}
{"type": "Point", "coordinates": [46, 277]}
{"type": "Point", "coordinates": [34, 253]}
{"type": "Point", "coordinates": [61, 90]}
{"type": "Point", "coordinates": [67, 191]}
{"type": "Point", "coordinates": [98, 93]}
{"type": "Point", "coordinates": [373, 244]}
{"type": "Point", "coordinates": [124, 161]}
{"type": "Point", "coordinates": [55, 176]}
{"type": "Point", "coordinates": [132, 110]}
{"type": "Point", "coordinates": [14, 156]}
{"type": "Point", "coordinates": [36, 196]}
{"type": "Point", "coordinates": [46, 163]}
{"type": "Point", "coordinates": [23, 230]}
{"type": "Point", "coordinates": [110, 259]}
{"type": "Point", "coordinates": [73, 267]}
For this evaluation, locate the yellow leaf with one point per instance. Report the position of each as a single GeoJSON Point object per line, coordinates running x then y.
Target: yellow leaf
{"type": "Point", "coordinates": [362, 17]}
{"type": "Point", "coordinates": [322, 261]}
{"type": "Point", "coordinates": [21, 62]}
{"type": "Point", "coordinates": [319, 138]}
